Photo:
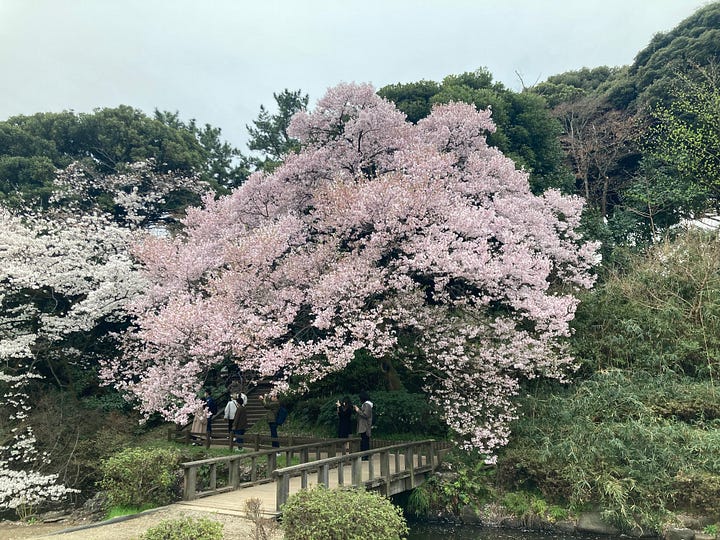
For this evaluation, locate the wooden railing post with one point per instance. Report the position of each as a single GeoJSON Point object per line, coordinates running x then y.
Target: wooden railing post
{"type": "Point", "coordinates": [213, 476]}
{"type": "Point", "coordinates": [410, 464]}
{"type": "Point", "coordinates": [341, 473]}
{"type": "Point", "coordinates": [356, 472]}
{"type": "Point", "coordinates": [282, 490]}
{"type": "Point", "coordinates": [385, 470]}
{"type": "Point", "coordinates": [324, 475]}
{"type": "Point", "coordinates": [234, 473]}
{"type": "Point", "coordinates": [190, 483]}
{"type": "Point", "coordinates": [253, 469]}
{"type": "Point", "coordinates": [304, 480]}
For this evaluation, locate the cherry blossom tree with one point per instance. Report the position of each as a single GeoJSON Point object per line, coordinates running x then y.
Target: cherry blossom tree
{"type": "Point", "coordinates": [66, 276]}
{"type": "Point", "coordinates": [136, 196]}
{"type": "Point", "coordinates": [377, 229]}
{"type": "Point", "coordinates": [22, 486]}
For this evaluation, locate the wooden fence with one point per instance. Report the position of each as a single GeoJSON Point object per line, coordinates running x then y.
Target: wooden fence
{"type": "Point", "coordinates": [401, 467]}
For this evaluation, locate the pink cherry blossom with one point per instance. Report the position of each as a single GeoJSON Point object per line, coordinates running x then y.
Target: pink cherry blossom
{"type": "Point", "coordinates": [377, 228]}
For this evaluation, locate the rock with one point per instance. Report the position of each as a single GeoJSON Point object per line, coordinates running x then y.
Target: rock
{"type": "Point", "coordinates": [512, 523]}
{"type": "Point", "coordinates": [93, 509]}
{"type": "Point", "coordinates": [703, 536]}
{"type": "Point", "coordinates": [566, 526]}
{"type": "Point", "coordinates": [638, 532]}
{"type": "Point", "coordinates": [690, 522]}
{"type": "Point", "coordinates": [679, 534]}
{"type": "Point", "coordinates": [54, 517]}
{"type": "Point", "coordinates": [591, 522]}
{"type": "Point", "coordinates": [470, 516]}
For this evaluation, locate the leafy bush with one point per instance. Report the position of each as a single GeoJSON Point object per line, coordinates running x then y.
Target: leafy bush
{"type": "Point", "coordinates": [610, 441]}
{"type": "Point", "coordinates": [185, 529]}
{"type": "Point", "coordinates": [661, 314]}
{"type": "Point", "coordinates": [310, 410]}
{"type": "Point", "coordinates": [138, 476]}
{"type": "Point", "coordinates": [466, 480]}
{"type": "Point", "coordinates": [321, 514]}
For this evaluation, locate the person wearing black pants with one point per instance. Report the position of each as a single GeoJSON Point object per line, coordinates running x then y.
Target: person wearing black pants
{"type": "Point", "coordinates": [211, 406]}
{"type": "Point", "coordinates": [364, 419]}
{"type": "Point", "coordinates": [272, 405]}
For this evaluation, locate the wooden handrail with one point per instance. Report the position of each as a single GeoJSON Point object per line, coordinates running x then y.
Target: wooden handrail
{"type": "Point", "coordinates": [190, 468]}
{"type": "Point", "coordinates": [427, 459]}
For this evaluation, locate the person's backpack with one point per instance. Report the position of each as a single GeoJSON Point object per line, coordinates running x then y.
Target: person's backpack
{"type": "Point", "coordinates": [282, 415]}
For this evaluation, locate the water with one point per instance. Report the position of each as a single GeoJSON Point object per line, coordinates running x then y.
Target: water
{"type": "Point", "coordinates": [467, 532]}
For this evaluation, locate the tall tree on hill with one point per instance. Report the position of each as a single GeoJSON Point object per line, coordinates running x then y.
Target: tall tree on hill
{"type": "Point", "coordinates": [679, 176]}
{"type": "Point", "coordinates": [33, 147]}
{"type": "Point", "coordinates": [376, 229]}
{"type": "Point", "coordinates": [269, 132]}
{"type": "Point", "coordinates": [693, 42]}
{"type": "Point", "coordinates": [597, 140]}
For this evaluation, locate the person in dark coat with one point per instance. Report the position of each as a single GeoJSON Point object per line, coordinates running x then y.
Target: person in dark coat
{"type": "Point", "coordinates": [240, 421]}
{"type": "Point", "coordinates": [272, 406]}
{"type": "Point", "coordinates": [344, 413]}
{"type": "Point", "coordinates": [211, 407]}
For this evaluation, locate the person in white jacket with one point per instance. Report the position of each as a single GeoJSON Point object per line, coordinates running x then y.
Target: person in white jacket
{"type": "Point", "coordinates": [230, 410]}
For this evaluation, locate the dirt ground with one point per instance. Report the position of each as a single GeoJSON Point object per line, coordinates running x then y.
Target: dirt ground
{"type": "Point", "coordinates": [234, 527]}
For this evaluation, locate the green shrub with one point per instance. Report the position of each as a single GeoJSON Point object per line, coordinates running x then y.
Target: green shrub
{"type": "Point", "coordinates": [118, 511]}
{"type": "Point", "coordinates": [139, 476]}
{"type": "Point", "coordinates": [466, 480]}
{"type": "Point", "coordinates": [659, 314]}
{"type": "Point", "coordinates": [419, 502]}
{"type": "Point", "coordinates": [185, 529]}
{"type": "Point", "coordinates": [609, 441]}
{"type": "Point", "coordinates": [321, 514]}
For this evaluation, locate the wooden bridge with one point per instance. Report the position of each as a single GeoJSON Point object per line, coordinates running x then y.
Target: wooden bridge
{"type": "Point", "coordinates": [226, 483]}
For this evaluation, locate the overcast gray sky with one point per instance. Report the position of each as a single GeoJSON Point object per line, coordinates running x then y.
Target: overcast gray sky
{"type": "Point", "coordinates": [218, 60]}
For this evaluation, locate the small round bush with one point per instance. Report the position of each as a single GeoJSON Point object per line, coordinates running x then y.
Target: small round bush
{"type": "Point", "coordinates": [350, 514]}
{"type": "Point", "coordinates": [185, 528]}
{"type": "Point", "coordinates": [140, 476]}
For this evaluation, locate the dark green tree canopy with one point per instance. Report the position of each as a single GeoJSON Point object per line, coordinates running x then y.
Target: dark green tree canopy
{"type": "Point", "coordinates": [33, 147]}
{"type": "Point", "coordinates": [694, 42]}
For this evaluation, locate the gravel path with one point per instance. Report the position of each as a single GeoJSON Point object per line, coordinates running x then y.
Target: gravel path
{"type": "Point", "coordinates": [234, 527]}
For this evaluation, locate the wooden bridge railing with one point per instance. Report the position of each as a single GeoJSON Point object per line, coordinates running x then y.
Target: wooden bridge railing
{"type": "Point", "coordinates": [255, 441]}
{"type": "Point", "coordinates": [261, 463]}
{"type": "Point", "coordinates": [409, 459]}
